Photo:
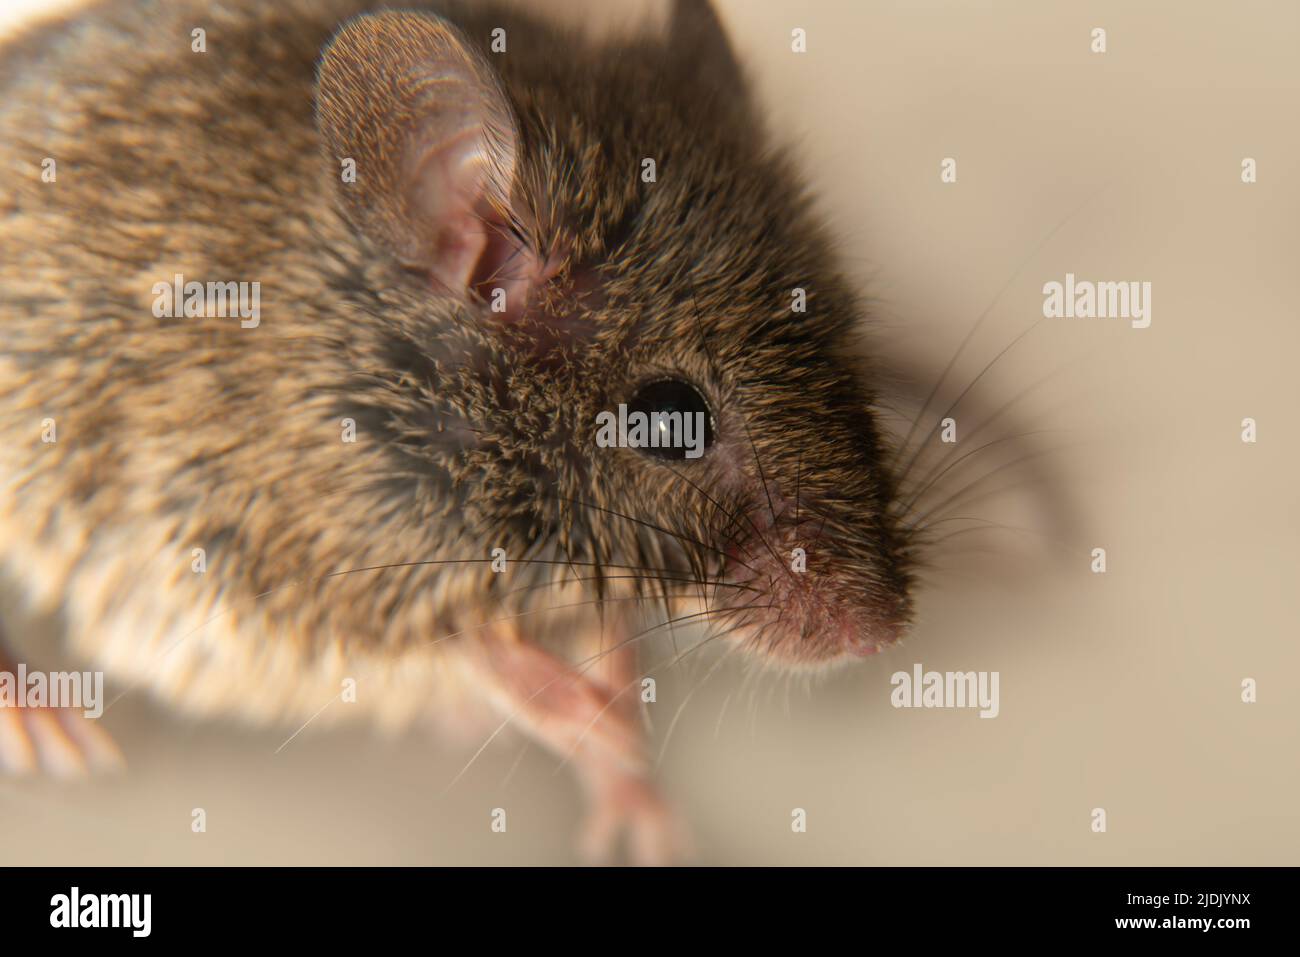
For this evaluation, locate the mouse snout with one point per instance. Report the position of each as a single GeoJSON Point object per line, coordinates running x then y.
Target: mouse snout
{"type": "Point", "coordinates": [818, 589]}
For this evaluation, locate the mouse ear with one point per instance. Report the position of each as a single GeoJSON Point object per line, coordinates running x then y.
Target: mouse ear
{"type": "Point", "coordinates": [433, 139]}
{"type": "Point", "coordinates": [698, 37]}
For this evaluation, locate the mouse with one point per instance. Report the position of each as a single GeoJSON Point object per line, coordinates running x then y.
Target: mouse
{"type": "Point", "coordinates": [430, 362]}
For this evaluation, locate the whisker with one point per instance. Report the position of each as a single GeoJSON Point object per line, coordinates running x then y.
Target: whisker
{"type": "Point", "coordinates": [762, 477]}
{"type": "Point", "coordinates": [918, 522]}
{"type": "Point", "coordinates": [996, 414]}
{"type": "Point", "coordinates": [989, 309]}
{"type": "Point", "coordinates": [999, 490]}
{"type": "Point", "coordinates": [537, 611]}
{"type": "Point", "coordinates": [650, 525]}
{"type": "Point", "coordinates": [1065, 547]}
{"type": "Point", "coordinates": [704, 342]}
{"type": "Point", "coordinates": [975, 451]}
{"type": "Point", "coordinates": [518, 760]}
{"type": "Point", "coordinates": [681, 708]}
{"type": "Point", "coordinates": [718, 506]}
{"type": "Point", "coordinates": [916, 452]}
{"type": "Point", "coordinates": [722, 712]}
{"type": "Point", "coordinates": [798, 479]}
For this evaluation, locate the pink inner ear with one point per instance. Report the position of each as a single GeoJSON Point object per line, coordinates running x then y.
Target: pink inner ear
{"type": "Point", "coordinates": [505, 262]}
{"type": "Point", "coordinates": [473, 247]}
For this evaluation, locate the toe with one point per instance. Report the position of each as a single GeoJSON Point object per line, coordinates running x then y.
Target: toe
{"type": "Point", "coordinates": [17, 750]}
{"type": "Point", "coordinates": [97, 747]}
{"type": "Point", "coordinates": [59, 754]}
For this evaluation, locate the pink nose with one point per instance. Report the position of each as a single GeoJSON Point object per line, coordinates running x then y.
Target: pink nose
{"type": "Point", "coordinates": [866, 637]}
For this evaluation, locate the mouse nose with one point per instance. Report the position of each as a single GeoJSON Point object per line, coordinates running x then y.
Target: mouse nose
{"type": "Point", "coordinates": [815, 618]}
{"type": "Point", "coordinates": [862, 634]}
{"type": "Point", "coordinates": [816, 590]}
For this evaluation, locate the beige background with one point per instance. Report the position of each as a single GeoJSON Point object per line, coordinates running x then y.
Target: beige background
{"type": "Point", "coordinates": [1119, 691]}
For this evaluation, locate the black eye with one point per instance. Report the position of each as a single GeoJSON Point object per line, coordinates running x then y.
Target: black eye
{"type": "Point", "coordinates": [669, 419]}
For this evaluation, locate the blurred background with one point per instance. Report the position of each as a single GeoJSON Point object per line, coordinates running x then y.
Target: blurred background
{"type": "Point", "coordinates": [1119, 691]}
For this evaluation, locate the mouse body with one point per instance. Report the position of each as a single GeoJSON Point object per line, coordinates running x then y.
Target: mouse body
{"type": "Point", "coordinates": [310, 316]}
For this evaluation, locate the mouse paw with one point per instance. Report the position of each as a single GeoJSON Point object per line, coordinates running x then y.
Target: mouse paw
{"type": "Point", "coordinates": [60, 742]}
{"type": "Point", "coordinates": [623, 804]}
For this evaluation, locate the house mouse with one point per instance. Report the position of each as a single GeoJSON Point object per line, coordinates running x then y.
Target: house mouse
{"type": "Point", "coordinates": [310, 314]}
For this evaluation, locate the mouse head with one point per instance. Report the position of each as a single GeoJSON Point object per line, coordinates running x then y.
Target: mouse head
{"type": "Point", "coordinates": [617, 294]}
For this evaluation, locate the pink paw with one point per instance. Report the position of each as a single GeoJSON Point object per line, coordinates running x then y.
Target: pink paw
{"type": "Point", "coordinates": [623, 804]}
{"type": "Point", "coordinates": [61, 742]}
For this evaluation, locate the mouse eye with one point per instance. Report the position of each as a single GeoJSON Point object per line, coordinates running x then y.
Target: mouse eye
{"type": "Point", "coordinates": [678, 422]}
